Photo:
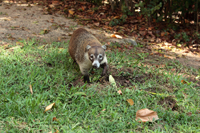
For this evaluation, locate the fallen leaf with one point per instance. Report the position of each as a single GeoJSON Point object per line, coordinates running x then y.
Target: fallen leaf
{"type": "Point", "coordinates": [57, 131]}
{"type": "Point", "coordinates": [59, 39]}
{"type": "Point", "coordinates": [55, 119]}
{"type": "Point", "coordinates": [189, 113]}
{"type": "Point", "coordinates": [19, 43]}
{"type": "Point", "coordinates": [112, 81]}
{"type": "Point", "coordinates": [183, 82]}
{"type": "Point", "coordinates": [116, 17]}
{"type": "Point", "coordinates": [120, 92]}
{"type": "Point", "coordinates": [173, 69]}
{"type": "Point", "coordinates": [5, 18]}
{"type": "Point", "coordinates": [96, 24]}
{"type": "Point", "coordinates": [104, 110]}
{"type": "Point", "coordinates": [143, 32]}
{"type": "Point", "coordinates": [108, 43]}
{"type": "Point", "coordinates": [16, 47]}
{"type": "Point", "coordinates": [49, 107]}
{"type": "Point", "coordinates": [162, 33]}
{"type": "Point", "coordinates": [150, 28]}
{"type": "Point", "coordinates": [180, 55]}
{"type": "Point", "coordinates": [139, 17]}
{"type": "Point", "coordinates": [90, 12]}
{"type": "Point", "coordinates": [169, 57]}
{"type": "Point", "coordinates": [31, 89]}
{"type": "Point", "coordinates": [116, 36]}
{"type": "Point", "coordinates": [185, 95]}
{"type": "Point", "coordinates": [145, 115]}
{"type": "Point", "coordinates": [83, 7]}
{"type": "Point", "coordinates": [45, 31]}
{"type": "Point", "coordinates": [101, 112]}
{"type": "Point", "coordinates": [130, 101]}
{"type": "Point", "coordinates": [71, 12]}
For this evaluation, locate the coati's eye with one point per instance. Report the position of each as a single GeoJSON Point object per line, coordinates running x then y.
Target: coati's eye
{"type": "Point", "coordinates": [91, 56]}
{"type": "Point", "coordinates": [100, 57]}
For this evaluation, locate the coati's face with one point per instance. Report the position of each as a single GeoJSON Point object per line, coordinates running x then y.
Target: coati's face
{"type": "Point", "coordinates": [96, 54]}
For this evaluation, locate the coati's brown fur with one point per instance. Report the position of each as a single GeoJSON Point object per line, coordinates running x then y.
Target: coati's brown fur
{"type": "Point", "coordinates": [87, 51]}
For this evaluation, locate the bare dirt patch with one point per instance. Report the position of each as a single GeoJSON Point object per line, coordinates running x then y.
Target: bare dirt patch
{"type": "Point", "coordinates": [169, 102]}
{"type": "Point", "coordinates": [21, 22]}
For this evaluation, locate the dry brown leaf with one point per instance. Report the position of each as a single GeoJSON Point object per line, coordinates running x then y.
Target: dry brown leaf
{"type": "Point", "coordinates": [83, 8]}
{"type": "Point", "coordinates": [19, 43]}
{"type": "Point", "coordinates": [55, 119]}
{"type": "Point", "coordinates": [130, 101]}
{"type": "Point", "coordinates": [101, 112]}
{"type": "Point", "coordinates": [104, 110]}
{"type": "Point", "coordinates": [90, 12]}
{"type": "Point", "coordinates": [71, 12]}
{"type": "Point", "coordinates": [169, 57]}
{"type": "Point", "coordinates": [49, 107]}
{"type": "Point", "coordinates": [150, 28]}
{"type": "Point", "coordinates": [96, 24]}
{"type": "Point", "coordinates": [116, 17]}
{"type": "Point", "coordinates": [116, 36]}
{"type": "Point", "coordinates": [173, 69]}
{"type": "Point", "coordinates": [189, 113]}
{"type": "Point", "coordinates": [145, 115]}
{"type": "Point", "coordinates": [183, 82]}
{"type": "Point", "coordinates": [120, 92]}
{"type": "Point", "coordinates": [57, 131]}
{"type": "Point", "coordinates": [45, 31]}
{"type": "Point", "coordinates": [163, 33]}
{"type": "Point", "coordinates": [31, 89]}
{"type": "Point", "coordinates": [16, 47]}
{"type": "Point", "coordinates": [59, 39]}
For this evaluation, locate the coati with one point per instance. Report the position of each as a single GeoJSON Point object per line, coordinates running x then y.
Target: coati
{"type": "Point", "coordinates": [87, 52]}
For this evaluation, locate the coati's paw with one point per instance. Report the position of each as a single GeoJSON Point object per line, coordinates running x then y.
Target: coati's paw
{"type": "Point", "coordinates": [86, 79]}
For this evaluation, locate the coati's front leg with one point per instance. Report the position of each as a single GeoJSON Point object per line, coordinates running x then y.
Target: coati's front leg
{"type": "Point", "coordinates": [85, 71]}
{"type": "Point", "coordinates": [105, 68]}
{"type": "Point", "coordinates": [86, 79]}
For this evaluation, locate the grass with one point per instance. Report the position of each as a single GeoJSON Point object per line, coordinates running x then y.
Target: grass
{"type": "Point", "coordinates": [153, 83]}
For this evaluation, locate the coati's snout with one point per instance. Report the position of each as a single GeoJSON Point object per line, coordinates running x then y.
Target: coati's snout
{"type": "Point", "coordinates": [96, 54]}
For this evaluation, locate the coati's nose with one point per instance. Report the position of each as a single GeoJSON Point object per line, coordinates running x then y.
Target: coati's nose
{"type": "Point", "coordinates": [96, 64]}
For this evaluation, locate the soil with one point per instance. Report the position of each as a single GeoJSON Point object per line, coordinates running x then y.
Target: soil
{"type": "Point", "coordinates": [169, 103]}
{"type": "Point", "coordinates": [19, 22]}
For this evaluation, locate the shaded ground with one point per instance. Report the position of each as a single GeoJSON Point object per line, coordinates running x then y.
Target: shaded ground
{"type": "Point", "coordinates": [22, 22]}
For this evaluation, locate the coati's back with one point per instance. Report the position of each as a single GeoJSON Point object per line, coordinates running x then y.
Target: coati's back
{"type": "Point", "coordinates": [78, 42]}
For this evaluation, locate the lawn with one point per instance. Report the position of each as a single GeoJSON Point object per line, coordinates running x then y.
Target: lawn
{"type": "Point", "coordinates": [152, 82]}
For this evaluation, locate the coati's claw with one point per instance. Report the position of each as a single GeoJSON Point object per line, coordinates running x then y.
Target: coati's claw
{"type": "Point", "coordinates": [86, 79]}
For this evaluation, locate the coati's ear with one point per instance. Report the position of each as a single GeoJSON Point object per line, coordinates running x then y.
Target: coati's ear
{"type": "Point", "coordinates": [104, 47]}
{"type": "Point", "coordinates": [88, 47]}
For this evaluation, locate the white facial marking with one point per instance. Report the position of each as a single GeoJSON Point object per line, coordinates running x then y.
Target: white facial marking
{"type": "Point", "coordinates": [96, 63]}
{"type": "Point", "coordinates": [91, 56]}
{"type": "Point", "coordinates": [100, 56]}
{"type": "Point", "coordinates": [104, 60]}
